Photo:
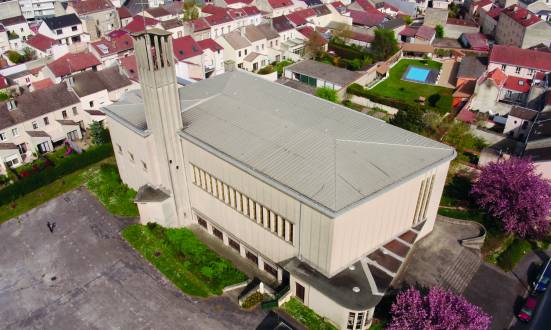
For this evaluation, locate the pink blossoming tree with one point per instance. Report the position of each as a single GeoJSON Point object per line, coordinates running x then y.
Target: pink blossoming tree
{"type": "Point", "coordinates": [438, 310]}
{"type": "Point", "coordinates": [514, 193]}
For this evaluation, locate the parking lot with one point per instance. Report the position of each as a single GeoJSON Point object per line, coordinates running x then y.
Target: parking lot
{"type": "Point", "coordinates": [84, 276]}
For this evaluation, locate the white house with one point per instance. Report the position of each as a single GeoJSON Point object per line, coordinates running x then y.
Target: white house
{"type": "Point", "coordinates": [66, 29]}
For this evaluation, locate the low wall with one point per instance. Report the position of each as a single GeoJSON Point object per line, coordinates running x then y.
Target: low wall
{"type": "Point", "coordinates": [270, 76]}
{"type": "Point", "coordinates": [370, 104]}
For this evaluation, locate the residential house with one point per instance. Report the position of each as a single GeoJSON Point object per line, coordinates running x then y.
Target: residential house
{"type": "Point", "coordinates": [298, 219]}
{"type": "Point", "coordinates": [99, 17]}
{"type": "Point", "coordinates": [9, 8]}
{"type": "Point", "coordinates": [522, 63]}
{"type": "Point", "coordinates": [35, 122]}
{"type": "Point", "coordinates": [488, 20]}
{"type": "Point", "coordinates": [125, 16]}
{"type": "Point", "coordinates": [189, 60]}
{"type": "Point", "coordinates": [236, 47]}
{"type": "Point", "coordinates": [455, 27]}
{"type": "Point", "coordinates": [4, 40]}
{"type": "Point", "coordinates": [272, 41]}
{"type": "Point", "coordinates": [213, 57]}
{"type": "Point", "coordinates": [520, 27]}
{"type": "Point", "coordinates": [366, 19]}
{"type": "Point", "coordinates": [174, 26]}
{"type": "Point", "coordinates": [42, 45]}
{"type": "Point", "coordinates": [18, 31]}
{"type": "Point", "coordinates": [38, 9]}
{"type": "Point", "coordinates": [109, 49]}
{"type": "Point", "coordinates": [471, 68]}
{"type": "Point", "coordinates": [519, 122]}
{"type": "Point", "coordinates": [159, 13]}
{"type": "Point", "coordinates": [488, 92]}
{"type": "Point", "coordinates": [396, 25]}
{"type": "Point", "coordinates": [307, 32]}
{"type": "Point", "coordinates": [66, 29]}
{"type": "Point", "coordinates": [424, 35]}
{"type": "Point", "coordinates": [476, 6]}
{"type": "Point", "coordinates": [140, 23]}
{"type": "Point", "coordinates": [290, 45]}
{"type": "Point", "coordinates": [322, 75]}
{"type": "Point", "coordinates": [199, 29]}
{"type": "Point", "coordinates": [275, 8]}
{"type": "Point", "coordinates": [71, 64]}
{"type": "Point", "coordinates": [235, 4]}
{"type": "Point", "coordinates": [475, 41]}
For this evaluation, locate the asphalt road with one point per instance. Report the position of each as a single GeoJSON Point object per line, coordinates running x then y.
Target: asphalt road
{"type": "Point", "coordinates": [85, 276]}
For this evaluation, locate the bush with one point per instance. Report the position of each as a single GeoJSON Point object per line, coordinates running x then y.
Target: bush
{"type": "Point", "coordinates": [266, 70]}
{"type": "Point", "coordinates": [512, 255]}
{"type": "Point", "coordinates": [50, 174]}
{"type": "Point", "coordinates": [14, 57]}
{"type": "Point", "coordinates": [99, 134]}
{"type": "Point", "coordinates": [4, 96]}
{"type": "Point", "coordinates": [328, 94]}
{"type": "Point", "coordinates": [253, 300]}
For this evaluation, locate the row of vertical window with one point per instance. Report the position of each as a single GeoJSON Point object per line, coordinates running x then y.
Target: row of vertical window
{"type": "Point", "coordinates": [423, 199]}
{"type": "Point", "coordinates": [355, 320]}
{"type": "Point", "coordinates": [243, 204]}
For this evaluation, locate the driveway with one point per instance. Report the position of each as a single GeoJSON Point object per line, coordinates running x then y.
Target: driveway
{"type": "Point", "coordinates": [84, 276]}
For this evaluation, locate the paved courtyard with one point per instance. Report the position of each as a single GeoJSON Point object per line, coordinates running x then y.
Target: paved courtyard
{"type": "Point", "coordinates": [84, 276]}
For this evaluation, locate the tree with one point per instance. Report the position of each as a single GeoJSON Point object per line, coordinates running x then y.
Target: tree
{"type": "Point", "coordinates": [512, 192]}
{"type": "Point", "coordinates": [408, 20]}
{"type": "Point", "coordinates": [315, 45]}
{"type": "Point", "coordinates": [327, 93]}
{"type": "Point", "coordinates": [411, 119]}
{"type": "Point", "coordinates": [190, 11]}
{"type": "Point", "coordinates": [98, 133]}
{"type": "Point", "coordinates": [439, 29]}
{"type": "Point", "coordinates": [14, 57]}
{"type": "Point", "coordinates": [342, 31]}
{"type": "Point", "coordinates": [438, 309]}
{"type": "Point", "coordinates": [29, 54]}
{"type": "Point", "coordinates": [384, 44]}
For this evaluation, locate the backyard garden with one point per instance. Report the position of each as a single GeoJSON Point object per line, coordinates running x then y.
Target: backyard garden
{"type": "Point", "coordinates": [437, 98]}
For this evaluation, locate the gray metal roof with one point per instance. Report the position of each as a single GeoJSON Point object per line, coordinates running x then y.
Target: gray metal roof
{"type": "Point", "coordinates": [325, 72]}
{"type": "Point", "coordinates": [323, 154]}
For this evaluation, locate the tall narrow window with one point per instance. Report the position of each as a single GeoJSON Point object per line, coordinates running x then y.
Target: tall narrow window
{"type": "Point", "coordinates": [258, 208]}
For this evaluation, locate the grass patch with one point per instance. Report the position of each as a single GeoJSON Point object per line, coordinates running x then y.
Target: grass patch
{"type": "Point", "coordinates": [437, 98]}
{"type": "Point", "coordinates": [512, 255]}
{"type": "Point", "coordinates": [306, 316]}
{"type": "Point", "coordinates": [116, 196]}
{"type": "Point", "coordinates": [50, 191]}
{"type": "Point", "coordinates": [183, 259]}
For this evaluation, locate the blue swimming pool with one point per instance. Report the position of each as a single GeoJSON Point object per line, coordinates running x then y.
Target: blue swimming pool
{"type": "Point", "coordinates": [414, 73]}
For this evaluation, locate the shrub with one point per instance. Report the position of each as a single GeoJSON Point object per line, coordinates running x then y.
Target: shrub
{"type": "Point", "coordinates": [512, 255]}
{"type": "Point", "coordinates": [253, 300]}
{"type": "Point", "coordinates": [50, 174]}
{"type": "Point", "coordinates": [266, 70]}
{"type": "Point", "coordinates": [306, 316]}
{"type": "Point", "coordinates": [99, 134]}
{"type": "Point", "coordinates": [328, 94]}
{"type": "Point", "coordinates": [4, 96]}
{"type": "Point", "coordinates": [15, 57]}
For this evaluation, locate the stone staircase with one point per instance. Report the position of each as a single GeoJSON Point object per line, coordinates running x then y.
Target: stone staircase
{"type": "Point", "coordinates": [458, 276]}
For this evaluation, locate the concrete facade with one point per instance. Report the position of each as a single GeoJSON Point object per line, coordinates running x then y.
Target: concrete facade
{"type": "Point", "coordinates": [182, 181]}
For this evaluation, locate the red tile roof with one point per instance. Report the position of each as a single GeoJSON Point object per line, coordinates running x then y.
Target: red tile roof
{"type": "Point", "coordinates": [466, 116]}
{"type": "Point", "coordinates": [365, 5]}
{"type": "Point", "coordinates": [494, 12]}
{"type": "Point", "coordinates": [362, 37]}
{"type": "Point", "coordinates": [117, 33]}
{"type": "Point", "coordinates": [157, 12]}
{"type": "Point", "coordinates": [251, 10]}
{"type": "Point", "coordinates": [3, 82]}
{"type": "Point", "coordinates": [477, 41]}
{"type": "Point", "coordinates": [299, 17]}
{"type": "Point", "coordinates": [308, 31]}
{"type": "Point", "coordinates": [40, 42]}
{"type": "Point", "coordinates": [521, 57]}
{"type": "Point", "coordinates": [200, 24]}
{"type": "Point", "coordinates": [517, 84]}
{"type": "Point", "coordinates": [13, 20]}
{"type": "Point", "coordinates": [497, 76]}
{"type": "Point", "coordinates": [280, 3]}
{"type": "Point", "coordinates": [70, 63]}
{"type": "Point", "coordinates": [113, 45]}
{"type": "Point", "coordinates": [130, 65]}
{"type": "Point", "coordinates": [186, 47]}
{"type": "Point", "coordinates": [366, 19]}
{"type": "Point", "coordinates": [124, 12]}
{"type": "Point", "coordinates": [408, 31]}
{"type": "Point", "coordinates": [139, 23]}
{"type": "Point", "coordinates": [425, 32]}
{"type": "Point", "coordinates": [42, 84]}
{"type": "Point", "coordinates": [91, 6]}
{"type": "Point", "coordinates": [521, 15]}
{"type": "Point", "coordinates": [337, 4]}
{"type": "Point", "coordinates": [209, 44]}
{"type": "Point", "coordinates": [231, 2]}
{"type": "Point", "coordinates": [213, 10]}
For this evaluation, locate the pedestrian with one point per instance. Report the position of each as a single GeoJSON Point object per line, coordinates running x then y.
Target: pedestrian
{"type": "Point", "coordinates": [51, 226]}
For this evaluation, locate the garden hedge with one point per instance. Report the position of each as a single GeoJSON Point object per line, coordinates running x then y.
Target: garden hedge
{"type": "Point", "coordinates": [50, 174]}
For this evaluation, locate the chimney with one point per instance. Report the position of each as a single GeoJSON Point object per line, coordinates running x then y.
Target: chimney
{"type": "Point", "coordinates": [229, 66]}
{"type": "Point", "coordinates": [70, 82]}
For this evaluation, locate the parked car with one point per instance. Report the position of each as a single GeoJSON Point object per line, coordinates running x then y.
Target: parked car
{"type": "Point", "coordinates": [528, 310]}
{"type": "Point", "coordinates": [540, 285]}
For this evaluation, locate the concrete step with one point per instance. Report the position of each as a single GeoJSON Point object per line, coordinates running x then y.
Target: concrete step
{"type": "Point", "coordinates": [458, 276]}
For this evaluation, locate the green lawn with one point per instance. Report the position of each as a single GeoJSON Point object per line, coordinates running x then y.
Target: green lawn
{"type": "Point", "coordinates": [408, 92]}
{"type": "Point", "coordinates": [183, 259]}
{"type": "Point", "coordinates": [306, 316]}
{"type": "Point", "coordinates": [52, 190]}
{"type": "Point", "coordinates": [117, 197]}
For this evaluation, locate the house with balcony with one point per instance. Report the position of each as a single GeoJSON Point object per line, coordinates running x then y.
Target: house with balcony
{"type": "Point", "coordinates": [213, 57]}
{"type": "Point", "coordinates": [69, 65]}
{"type": "Point", "coordinates": [66, 29]}
{"type": "Point", "coordinates": [18, 31]}
{"type": "Point", "coordinates": [99, 17]}
{"type": "Point", "coordinates": [42, 45]}
{"type": "Point", "coordinates": [523, 63]}
{"type": "Point", "coordinates": [292, 183]}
